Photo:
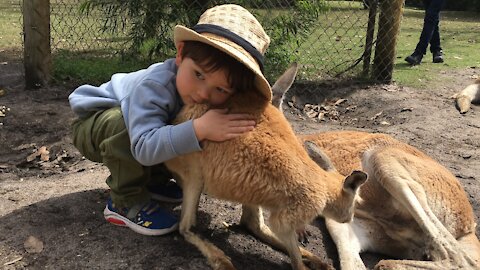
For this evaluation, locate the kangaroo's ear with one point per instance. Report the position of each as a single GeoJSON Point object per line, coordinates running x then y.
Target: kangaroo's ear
{"type": "Point", "coordinates": [317, 155]}
{"type": "Point", "coordinates": [354, 181]}
{"type": "Point", "coordinates": [283, 83]}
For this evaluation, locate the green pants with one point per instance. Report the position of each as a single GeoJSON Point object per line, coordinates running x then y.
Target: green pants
{"type": "Point", "coordinates": [103, 138]}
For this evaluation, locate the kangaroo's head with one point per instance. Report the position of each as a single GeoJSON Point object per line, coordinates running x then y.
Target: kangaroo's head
{"type": "Point", "coordinates": [341, 204]}
{"type": "Point", "coordinates": [341, 208]}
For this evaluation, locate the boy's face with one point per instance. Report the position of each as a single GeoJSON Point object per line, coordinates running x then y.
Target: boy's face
{"type": "Point", "coordinates": [196, 86]}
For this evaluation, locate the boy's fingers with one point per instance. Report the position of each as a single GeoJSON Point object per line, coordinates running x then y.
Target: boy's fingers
{"type": "Point", "coordinates": [243, 123]}
{"type": "Point", "coordinates": [240, 130]}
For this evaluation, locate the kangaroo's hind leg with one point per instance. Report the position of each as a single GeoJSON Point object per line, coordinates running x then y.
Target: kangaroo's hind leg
{"type": "Point", "coordinates": [402, 185]}
{"type": "Point", "coordinates": [192, 190]}
{"type": "Point", "coordinates": [252, 218]}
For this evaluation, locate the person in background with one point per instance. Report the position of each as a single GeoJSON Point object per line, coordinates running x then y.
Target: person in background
{"type": "Point", "coordinates": [430, 34]}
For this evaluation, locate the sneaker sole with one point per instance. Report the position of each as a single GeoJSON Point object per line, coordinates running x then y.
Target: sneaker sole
{"type": "Point", "coordinates": [116, 219]}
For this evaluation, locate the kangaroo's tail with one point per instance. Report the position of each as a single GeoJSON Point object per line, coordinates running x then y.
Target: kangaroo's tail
{"type": "Point", "coordinates": [471, 94]}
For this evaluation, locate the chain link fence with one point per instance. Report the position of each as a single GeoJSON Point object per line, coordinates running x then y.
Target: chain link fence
{"type": "Point", "coordinates": [329, 39]}
{"type": "Point", "coordinates": [333, 40]}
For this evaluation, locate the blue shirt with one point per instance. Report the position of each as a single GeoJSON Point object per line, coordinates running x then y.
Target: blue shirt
{"type": "Point", "coordinates": [149, 101]}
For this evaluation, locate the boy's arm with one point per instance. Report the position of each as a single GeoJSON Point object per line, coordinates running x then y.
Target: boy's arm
{"type": "Point", "coordinates": [87, 99]}
{"type": "Point", "coordinates": [153, 141]}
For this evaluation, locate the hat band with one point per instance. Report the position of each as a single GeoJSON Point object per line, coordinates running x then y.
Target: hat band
{"type": "Point", "coordinates": [223, 32]}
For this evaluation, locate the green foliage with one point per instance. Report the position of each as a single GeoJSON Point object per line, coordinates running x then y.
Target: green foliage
{"type": "Point", "coordinates": [149, 24]}
{"type": "Point", "coordinates": [91, 68]}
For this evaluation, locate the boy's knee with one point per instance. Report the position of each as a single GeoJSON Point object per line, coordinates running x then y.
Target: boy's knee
{"type": "Point", "coordinates": [111, 121]}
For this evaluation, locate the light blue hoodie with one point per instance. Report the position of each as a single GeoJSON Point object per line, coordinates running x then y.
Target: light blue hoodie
{"type": "Point", "coordinates": [149, 102]}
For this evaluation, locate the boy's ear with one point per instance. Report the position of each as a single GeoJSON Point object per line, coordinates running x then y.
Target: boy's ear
{"type": "Point", "coordinates": [178, 58]}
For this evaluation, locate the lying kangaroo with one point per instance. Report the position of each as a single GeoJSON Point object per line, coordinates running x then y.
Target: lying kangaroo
{"type": "Point", "coordinates": [267, 168]}
{"type": "Point", "coordinates": [471, 94]}
{"type": "Point", "coordinates": [411, 208]}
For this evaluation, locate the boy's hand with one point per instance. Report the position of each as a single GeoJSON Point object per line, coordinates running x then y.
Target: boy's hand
{"type": "Point", "coordinates": [217, 125]}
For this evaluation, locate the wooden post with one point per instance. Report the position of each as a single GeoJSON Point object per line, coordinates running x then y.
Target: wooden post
{"type": "Point", "coordinates": [36, 53]}
{"type": "Point", "coordinates": [385, 49]}
{"type": "Point", "coordinates": [372, 14]}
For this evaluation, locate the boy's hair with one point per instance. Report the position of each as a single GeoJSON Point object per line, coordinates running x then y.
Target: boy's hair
{"type": "Point", "coordinates": [211, 59]}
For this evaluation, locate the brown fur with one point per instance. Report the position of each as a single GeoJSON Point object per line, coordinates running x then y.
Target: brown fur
{"type": "Point", "coordinates": [470, 94]}
{"type": "Point", "coordinates": [266, 168]}
{"type": "Point", "coordinates": [410, 208]}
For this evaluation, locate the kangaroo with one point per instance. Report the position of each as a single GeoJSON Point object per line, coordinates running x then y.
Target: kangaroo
{"type": "Point", "coordinates": [471, 94]}
{"type": "Point", "coordinates": [268, 168]}
{"type": "Point", "coordinates": [411, 208]}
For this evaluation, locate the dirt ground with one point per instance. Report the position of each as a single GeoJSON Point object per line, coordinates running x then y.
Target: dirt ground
{"type": "Point", "coordinates": [57, 197]}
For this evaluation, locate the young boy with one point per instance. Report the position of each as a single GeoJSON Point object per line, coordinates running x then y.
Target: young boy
{"type": "Point", "coordinates": [125, 123]}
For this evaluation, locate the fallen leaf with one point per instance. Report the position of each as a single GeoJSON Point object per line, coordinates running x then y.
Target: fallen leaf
{"type": "Point", "coordinates": [33, 245]}
{"type": "Point", "coordinates": [13, 261]}
{"type": "Point", "coordinates": [24, 146]}
{"type": "Point", "coordinates": [340, 101]}
{"type": "Point", "coordinates": [376, 116]}
{"type": "Point", "coordinates": [42, 152]}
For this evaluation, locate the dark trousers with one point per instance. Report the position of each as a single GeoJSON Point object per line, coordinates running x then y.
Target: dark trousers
{"type": "Point", "coordinates": [430, 33]}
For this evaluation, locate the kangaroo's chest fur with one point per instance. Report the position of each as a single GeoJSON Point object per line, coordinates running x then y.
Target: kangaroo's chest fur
{"type": "Point", "coordinates": [267, 167]}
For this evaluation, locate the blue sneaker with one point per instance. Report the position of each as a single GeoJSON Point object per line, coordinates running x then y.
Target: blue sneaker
{"type": "Point", "coordinates": [146, 219]}
{"type": "Point", "coordinates": [169, 192]}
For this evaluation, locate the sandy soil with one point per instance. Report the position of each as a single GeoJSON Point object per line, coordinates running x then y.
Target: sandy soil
{"type": "Point", "coordinates": [58, 197]}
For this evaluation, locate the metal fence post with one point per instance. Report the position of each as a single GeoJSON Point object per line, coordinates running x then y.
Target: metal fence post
{"type": "Point", "coordinates": [37, 53]}
{"type": "Point", "coordinates": [389, 27]}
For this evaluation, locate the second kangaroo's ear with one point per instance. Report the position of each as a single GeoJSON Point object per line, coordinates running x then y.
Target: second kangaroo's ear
{"type": "Point", "coordinates": [354, 181]}
{"type": "Point", "coordinates": [317, 155]}
{"type": "Point", "coordinates": [283, 83]}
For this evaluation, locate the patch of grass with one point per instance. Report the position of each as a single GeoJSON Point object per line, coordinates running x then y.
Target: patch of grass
{"type": "Point", "coordinates": [459, 39]}
{"type": "Point", "coordinates": [337, 43]}
{"type": "Point", "coordinates": [10, 24]}
{"type": "Point", "coordinates": [92, 68]}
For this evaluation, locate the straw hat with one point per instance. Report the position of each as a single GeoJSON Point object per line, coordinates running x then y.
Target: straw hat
{"type": "Point", "coordinates": [235, 31]}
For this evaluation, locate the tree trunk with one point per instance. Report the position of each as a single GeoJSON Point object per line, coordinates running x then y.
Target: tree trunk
{"type": "Point", "coordinates": [37, 55]}
{"type": "Point", "coordinates": [389, 27]}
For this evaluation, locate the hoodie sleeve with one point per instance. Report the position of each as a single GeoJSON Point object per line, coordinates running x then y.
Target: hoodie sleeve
{"type": "Point", "coordinates": [153, 139]}
{"type": "Point", "coordinates": [87, 99]}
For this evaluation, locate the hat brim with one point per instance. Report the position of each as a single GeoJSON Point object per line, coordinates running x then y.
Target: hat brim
{"type": "Point", "coordinates": [182, 33]}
